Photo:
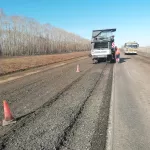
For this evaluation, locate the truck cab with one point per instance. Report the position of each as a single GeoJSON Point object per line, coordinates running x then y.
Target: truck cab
{"type": "Point", "coordinates": [101, 45]}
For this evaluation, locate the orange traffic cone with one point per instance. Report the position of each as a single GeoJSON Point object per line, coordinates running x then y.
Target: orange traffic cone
{"type": "Point", "coordinates": [8, 118]}
{"type": "Point", "coordinates": [78, 68]}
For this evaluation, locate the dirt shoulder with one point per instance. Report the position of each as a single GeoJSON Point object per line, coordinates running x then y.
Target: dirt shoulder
{"type": "Point", "coordinates": [10, 65]}
{"type": "Point", "coordinates": [144, 52]}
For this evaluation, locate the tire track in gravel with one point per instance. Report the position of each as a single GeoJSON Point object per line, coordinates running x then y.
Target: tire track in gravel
{"type": "Point", "coordinates": [93, 119]}
{"type": "Point", "coordinates": [7, 131]}
{"type": "Point", "coordinates": [68, 130]}
{"type": "Point", "coordinates": [99, 139]}
{"type": "Point", "coordinates": [47, 127]}
{"type": "Point", "coordinates": [26, 94]}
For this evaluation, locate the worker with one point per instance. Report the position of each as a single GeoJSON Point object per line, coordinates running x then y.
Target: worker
{"type": "Point", "coordinates": [117, 54]}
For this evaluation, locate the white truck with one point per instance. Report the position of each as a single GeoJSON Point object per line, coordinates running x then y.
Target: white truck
{"type": "Point", "coordinates": [102, 45]}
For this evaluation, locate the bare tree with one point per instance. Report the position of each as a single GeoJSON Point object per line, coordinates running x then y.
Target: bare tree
{"type": "Point", "coordinates": [25, 36]}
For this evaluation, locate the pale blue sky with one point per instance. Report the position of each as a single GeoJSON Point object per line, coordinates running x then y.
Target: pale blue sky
{"type": "Point", "coordinates": [130, 17]}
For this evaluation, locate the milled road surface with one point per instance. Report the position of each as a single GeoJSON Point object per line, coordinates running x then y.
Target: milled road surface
{"type": "Point", "coordinates": [130, 111]}
{"type": "Point", "coordinates": [59, 108]}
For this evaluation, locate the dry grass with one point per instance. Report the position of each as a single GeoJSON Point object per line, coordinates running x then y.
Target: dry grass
{"type": "Point", "coordinates": [144, 51]}
{"type": "Point", "coordinates": [9, 65]}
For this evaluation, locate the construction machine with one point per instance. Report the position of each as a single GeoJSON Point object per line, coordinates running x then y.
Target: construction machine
{"type": "Point", "coordinates": [102, 45]}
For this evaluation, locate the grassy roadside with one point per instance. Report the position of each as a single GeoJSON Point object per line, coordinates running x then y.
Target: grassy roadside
{"type": "Point", "coordinates": [10, 65]}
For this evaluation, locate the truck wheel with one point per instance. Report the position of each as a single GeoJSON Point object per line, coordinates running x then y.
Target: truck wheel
{"type": "Point", "coordinates": [95, 61]}
{"type": "Point", "coordinates": [113, 61]}
{"type": "Point", "coordinates": [99, 61]}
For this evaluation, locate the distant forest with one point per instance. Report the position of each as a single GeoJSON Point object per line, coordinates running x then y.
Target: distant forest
{"type": "Point", "coordinates": [24, 36]}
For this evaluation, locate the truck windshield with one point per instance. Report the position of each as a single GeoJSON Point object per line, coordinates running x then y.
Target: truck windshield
{"type": "Point", "coordinates": [104, 34]}
{"type": "Point", "coordinates": [101, 45]}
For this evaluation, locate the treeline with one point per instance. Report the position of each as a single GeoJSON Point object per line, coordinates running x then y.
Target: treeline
{"type": "Point", "coordinates": [25, 36]}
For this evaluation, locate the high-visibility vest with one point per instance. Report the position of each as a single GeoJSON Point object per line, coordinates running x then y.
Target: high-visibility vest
{"type": "Point", "coordinates": [117, 51]}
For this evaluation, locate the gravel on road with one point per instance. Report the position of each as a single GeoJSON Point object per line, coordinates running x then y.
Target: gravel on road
{"type": "Point", "coordinates": [50, 124]}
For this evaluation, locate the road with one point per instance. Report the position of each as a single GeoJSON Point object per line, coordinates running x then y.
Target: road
{"type": "Point", "coordinates": [130, 108]}
{"type": "Point", "coordinates": [57, 108]}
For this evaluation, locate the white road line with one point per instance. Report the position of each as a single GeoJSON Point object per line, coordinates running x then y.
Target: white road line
{"type": "Point", "coordinates": [110, 130]}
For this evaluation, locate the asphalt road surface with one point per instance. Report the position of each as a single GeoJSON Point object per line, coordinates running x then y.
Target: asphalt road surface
{"type": "Point", "coordinates": [130, 107]}
{"type": "Point", "coordinates": [57, 108]}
